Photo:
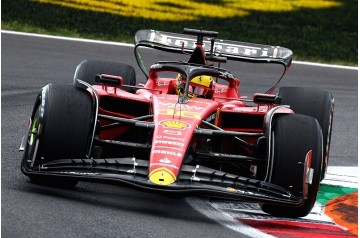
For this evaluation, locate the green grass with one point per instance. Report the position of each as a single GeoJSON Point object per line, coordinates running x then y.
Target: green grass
{"type": "Point", "coordinates": [327, 35]}
{"type": "Point", "coordinates": [329, 192]}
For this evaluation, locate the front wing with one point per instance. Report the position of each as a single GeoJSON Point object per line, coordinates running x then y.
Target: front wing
{"type": "Point", "coordinates": [198, 180]}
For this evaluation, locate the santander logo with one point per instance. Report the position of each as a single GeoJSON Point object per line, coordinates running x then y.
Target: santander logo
{"type": "Point", "coordinates": [165, 161]}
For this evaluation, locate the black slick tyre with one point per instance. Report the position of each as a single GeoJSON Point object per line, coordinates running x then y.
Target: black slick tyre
{"type": "Point", "coordinates": [315, 103]}
{"type": "Point", "coordinates": [61, 127]}
{"type": "Point", "coordinates": [88, 69]}
{"type": "Point", "coordinates": [293, 137]}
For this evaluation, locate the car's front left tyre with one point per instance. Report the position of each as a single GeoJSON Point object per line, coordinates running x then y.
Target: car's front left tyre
{"type": "Point", "coordinates": [297, 160]}
{"type": "Point", "coordinates": [316, 103]}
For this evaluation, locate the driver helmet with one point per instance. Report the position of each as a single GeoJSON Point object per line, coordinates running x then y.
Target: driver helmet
{"type": "Point", "coordinates": [200, 86]}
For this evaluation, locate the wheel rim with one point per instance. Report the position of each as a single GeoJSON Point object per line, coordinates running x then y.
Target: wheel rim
{"type": "Point", "coordinates": [33, 137]}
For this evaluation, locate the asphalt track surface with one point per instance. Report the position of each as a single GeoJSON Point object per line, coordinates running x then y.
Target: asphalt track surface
{"type": "Point", "coordinates": [96, 210]}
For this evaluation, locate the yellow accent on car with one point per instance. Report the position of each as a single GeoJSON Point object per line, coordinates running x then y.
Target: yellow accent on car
{"type": "Point", "coordinates": [162, 176]}
{"type": "Point", "coordinates": [230, 189]}
{"type": "Point", "coordinates": [33, 131]}
{"type": "Point", "coordinates": [175, 124]}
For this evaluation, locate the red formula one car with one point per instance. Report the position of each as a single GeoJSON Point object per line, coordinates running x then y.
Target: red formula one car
{"type": "Point", "coordinates": [187, 129]}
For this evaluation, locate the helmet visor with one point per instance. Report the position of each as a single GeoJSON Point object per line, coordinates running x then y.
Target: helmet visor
{"type": "Point", "coordinates": [199, 91]}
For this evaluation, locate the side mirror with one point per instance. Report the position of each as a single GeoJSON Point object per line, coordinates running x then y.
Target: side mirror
{"type": "Point", "coordinates": [261, 98]}
{"type": "Point", "coordinates": [109, 79]}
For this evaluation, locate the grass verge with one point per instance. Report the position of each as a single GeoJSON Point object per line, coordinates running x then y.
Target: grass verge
{"type": "Point", "coordinates": [327, 35]}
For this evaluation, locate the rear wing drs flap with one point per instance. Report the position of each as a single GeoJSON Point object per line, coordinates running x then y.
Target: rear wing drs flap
{"type": "Point", "coordinates": [233, 50]}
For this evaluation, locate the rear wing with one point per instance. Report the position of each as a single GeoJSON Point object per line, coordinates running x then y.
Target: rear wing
{"type": "Point", "coordinates": [233, 50]}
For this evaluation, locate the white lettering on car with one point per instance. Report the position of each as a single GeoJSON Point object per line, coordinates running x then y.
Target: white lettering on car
{"type": "Point", "coordinates": [220, 47]}
{"type": "Point", "coordinates": [164, 165]}
{"type": "Point", "coordinates": [169, 143]}
{"type": "Point", "coordinates": [219, 91]}
{"type": "Point", "coordinates": [173, 132]}
{"type": "Point", "coordinates": [162, 84]}
{"type": "Point", "coordinates": [186, 107]}
{"type": "Point", "coordinates": [166, 152]}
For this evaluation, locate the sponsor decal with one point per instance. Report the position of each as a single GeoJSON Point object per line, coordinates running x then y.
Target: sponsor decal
{"type": "Point", "coordinates": [173, 132]}
{"type": "Point", "coordinates": [164, 165]}
{"type": "Point", "coordinates": [163, 142]}
{"type": "Point", "coordinates": [180, 106]}
{"type": "Point", "coordinates": [162, 84]}
{"type": "Point", "coordinates": [162, 176]}
{"type": "Point", "coordinates": [166, 152]}
{"type": "Point", "coordinates": [220, 47]}
{"type": "Point", "coordinates": [167, 147]}
{"type": "Point", "coordinates": [79, 173]}
{"type": "Point", "coordinates": [226, 75]}
{"type": "Point", "coordinates": [174, 124]}
{"type": "Point", "coordinates": [211, 117]}
{"type": "Point", "coordinates": [156, 66]}
{"type": "Point", "coordinates": [180, 113]}
{"type": "Point", "coordinates": [220, 91]}
{"type": "Point", "coordinates": [170, 138]}
{"type": "Point", "coordinates": [165, 160]}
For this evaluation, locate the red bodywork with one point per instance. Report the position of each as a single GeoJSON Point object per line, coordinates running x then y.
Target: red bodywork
{"type": "Point", "coordinates": [186, 130]}
{"type": "Point", "coordinates": [175, 122]}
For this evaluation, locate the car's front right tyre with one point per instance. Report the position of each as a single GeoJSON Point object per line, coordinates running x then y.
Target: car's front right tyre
{"type": "Point", "coordinates": [61, 127]}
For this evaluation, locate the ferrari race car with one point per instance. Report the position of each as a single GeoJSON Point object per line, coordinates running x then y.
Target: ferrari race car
{"type": "Point", "coordinates": [187, 129]}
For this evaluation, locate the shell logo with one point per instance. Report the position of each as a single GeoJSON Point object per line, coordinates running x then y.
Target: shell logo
{"type": "Point", "coordinates": [174, 124]}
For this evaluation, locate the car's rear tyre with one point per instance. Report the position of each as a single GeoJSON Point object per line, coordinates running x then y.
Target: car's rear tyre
{"type": "Point", "coordinates": [61, 127]}
{"type": "Point", "coordinates": [88, 69]}
{"type": "Point", "coordinates": [315, 103]}
{"type": "Point", "coordinates": [293, 136]}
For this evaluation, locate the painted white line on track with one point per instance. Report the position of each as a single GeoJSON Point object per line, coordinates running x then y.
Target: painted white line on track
{"type": "Point", "coordinates": [132, 45]}
{"type": "Point", "coordinates": [68, 38]}
{"type": "Point", "coordinates": [325, 65]}
{"type": "Point", "coordinates": [227, 213]}
{"type": "Point", "coordinates": [224, 218]}
{"type": "Point", "coordinates": [344, 176]}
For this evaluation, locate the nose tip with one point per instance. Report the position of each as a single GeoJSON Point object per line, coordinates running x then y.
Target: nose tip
{"type": "Point", "coordinates": [162, 176]}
